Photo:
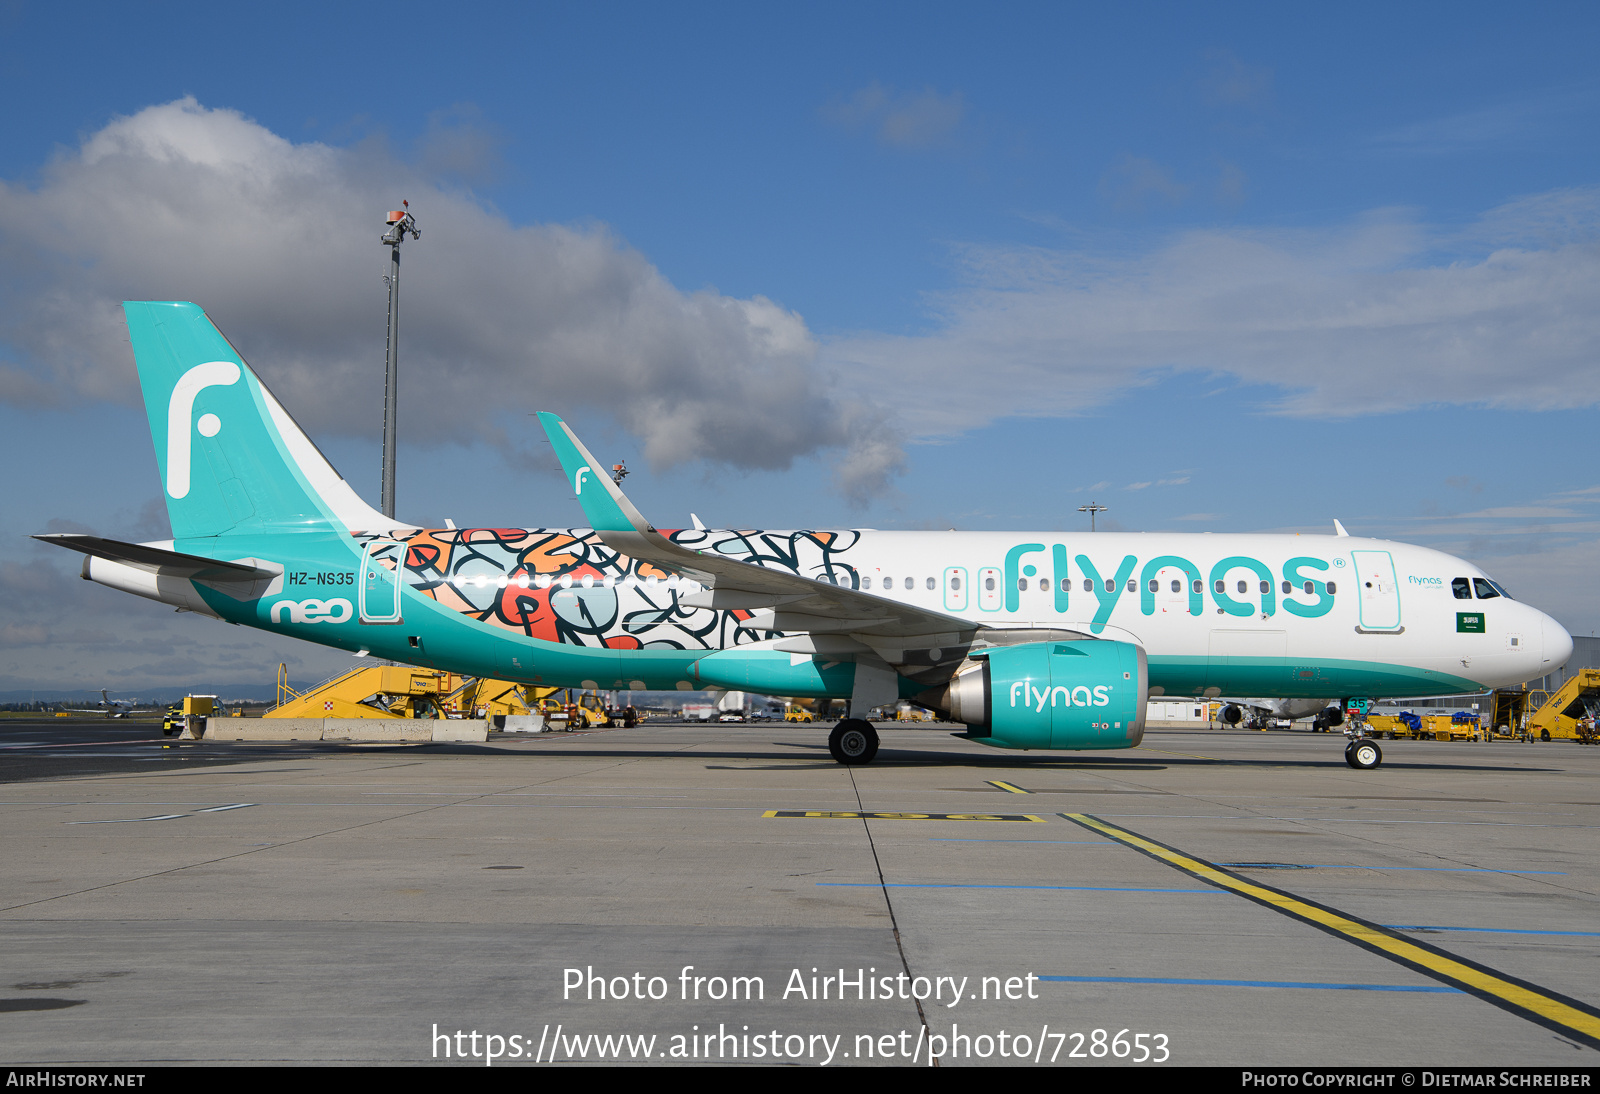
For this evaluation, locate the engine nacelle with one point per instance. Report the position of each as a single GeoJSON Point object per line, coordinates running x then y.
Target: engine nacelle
{"type": "Point", "coordinates": [1232, 714]}
{"type": "Point", "coordinates": [1076, 695]}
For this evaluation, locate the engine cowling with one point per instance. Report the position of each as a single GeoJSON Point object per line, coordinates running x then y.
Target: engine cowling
{"type": "Point", "coordinates": [1067, 695]}
{"type": "Point", "coordinates": [1232, 714]}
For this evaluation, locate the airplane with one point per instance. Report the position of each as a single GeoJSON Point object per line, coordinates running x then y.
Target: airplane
{"type": "Point", "coordinates": [1032, 641]}
{"type": "Point", "coordinates": [1255, 712]}
{"type": "Point", "coordinates": [111, 708]}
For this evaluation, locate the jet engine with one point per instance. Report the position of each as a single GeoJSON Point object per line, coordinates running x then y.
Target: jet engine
{"type": "Point", "coordinates": [1068, 695]}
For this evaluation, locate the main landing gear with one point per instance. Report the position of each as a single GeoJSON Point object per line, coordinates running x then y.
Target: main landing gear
{"type": "Point", "coordinates": [853, 741]}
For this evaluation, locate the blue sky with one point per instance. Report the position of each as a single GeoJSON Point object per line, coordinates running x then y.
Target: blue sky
{"type": "Point", "coordinates": [1223, 267]}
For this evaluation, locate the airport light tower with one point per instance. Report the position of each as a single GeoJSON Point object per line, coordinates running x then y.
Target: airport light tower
{"type": "Point", "coordinates": [1091, 509]}
{"type": "Point", "coordinates": [400, 222]}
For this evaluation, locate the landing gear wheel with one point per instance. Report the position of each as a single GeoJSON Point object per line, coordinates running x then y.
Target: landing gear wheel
{"type": "Point", "coordinates": [1363, 755]}
{"type": "Point", "coordinates": [853, 741]}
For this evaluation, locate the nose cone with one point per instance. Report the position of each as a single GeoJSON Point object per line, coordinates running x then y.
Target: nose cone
{"type": "Point", "coordinates": [1557, 645]}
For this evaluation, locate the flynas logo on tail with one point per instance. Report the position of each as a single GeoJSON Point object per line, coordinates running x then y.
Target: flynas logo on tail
{"type": "Point", "coordinates": [180, 424]}
{"type": "Point", "coordinates": [577, 480]}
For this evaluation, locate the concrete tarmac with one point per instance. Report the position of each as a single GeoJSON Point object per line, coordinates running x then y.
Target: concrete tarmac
{"type": "Point", "coordinates": [328, 903]}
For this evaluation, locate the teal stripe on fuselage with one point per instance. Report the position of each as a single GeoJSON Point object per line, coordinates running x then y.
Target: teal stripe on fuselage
{"type": "Point", "coordinates": [1181, 677]}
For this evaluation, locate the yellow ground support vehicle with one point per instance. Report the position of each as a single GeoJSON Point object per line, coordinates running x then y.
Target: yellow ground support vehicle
{"type": "Point", "coordinates": [799, 714]}
{"type": "Point", "coordinates": [1407, 725]}
{"type": "Point", "coordinates": [1570, 713]}
{"type": "Point", "coordinates": [399, 691]}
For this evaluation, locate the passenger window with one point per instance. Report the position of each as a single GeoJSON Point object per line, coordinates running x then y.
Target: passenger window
{"type": "Point", "coordinates": [988, 584]}
{"type": "Point", "coordinates": [1221, 586]}
{"type": "Point", "coordinates": [1022, 584]}
{"type": "Point", "coordinates": [1244, 587]}
{"type": "Point", "coordinates": [1044, 584]}
{"type": "Point", "coordinates": [1155, 585]}
{"type": "Point", "coordinates": [1133, 586]}
{"type": "Point", "coordinates": [1088, 586]}
{"type": "Point", "coordinates": [1177, 586]}
{"type": "Point", "coordinates": [1111, 586]}
{"type": "Point", "coordinates": [866, 582]}
{"type": "Point", "coordinates": [1310, 588]}
{"type": "Point", "coordinates": [1066, 584]}
{"type": "Point", "coordinates": [1266, 586]}
{"type": "Point", "coordinates": [1287, 588]}
{"type": "Point", "coordinates": [955, 584]}
{"type": "Point", "coordinates": [1198, 586]}
{"type": "Point", "coordinates": [911, 583]}
{"type": "Point", "coordinates": [1332, 588]}
{"type": "Point", "coordinates": [1461, 587]}
{"type": "Point", "coordinates": [931, 583]}
{"type": "Point", "coordinates": [1484, 590]}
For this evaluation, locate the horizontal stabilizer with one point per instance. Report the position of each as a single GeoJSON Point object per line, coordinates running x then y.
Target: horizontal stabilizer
{"type": "Point", "coordinates": [153, 559]}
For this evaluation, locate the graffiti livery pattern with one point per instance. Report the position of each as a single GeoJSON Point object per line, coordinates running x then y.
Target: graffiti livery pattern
{"type": "Point", "coordinates": [553, 585]}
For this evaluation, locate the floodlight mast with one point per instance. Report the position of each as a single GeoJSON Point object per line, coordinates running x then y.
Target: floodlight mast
{"type": "Point", "coordinates": [400, 222]}
{"type": "Point", "coordinates": [1091, 509]}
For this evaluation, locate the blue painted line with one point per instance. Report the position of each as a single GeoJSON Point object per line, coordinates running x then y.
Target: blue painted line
{"type": "Point", "coordinates": [1490, 930]}
{"type": "Point", "coordinates": [1052, 888]}
{"type": "Point", "coordinates": [1426, 989]}
{"type": "Point", "coordinates": [1423, 869]}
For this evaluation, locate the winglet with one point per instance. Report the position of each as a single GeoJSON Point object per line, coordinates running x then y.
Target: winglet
{"type": "Point", "coordinates": [605, 506]}
{"type": "Point", "coordinates": [1338, 530]}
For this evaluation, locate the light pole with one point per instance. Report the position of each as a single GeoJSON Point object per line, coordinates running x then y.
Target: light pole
{"type": "Point", "coordinates": [400, 222]}
{"type": "Point", "coordinates": [1091, 509]}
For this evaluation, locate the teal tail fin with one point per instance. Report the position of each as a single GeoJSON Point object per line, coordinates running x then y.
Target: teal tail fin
{"type": "Point", "coordinates": [232, 460]}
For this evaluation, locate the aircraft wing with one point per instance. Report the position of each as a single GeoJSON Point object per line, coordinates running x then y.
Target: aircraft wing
{"type": "Point", "coordinates": [836, 618]}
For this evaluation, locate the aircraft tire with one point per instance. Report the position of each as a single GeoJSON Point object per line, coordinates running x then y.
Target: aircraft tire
{"type": "Point", "coordinates": [1363, 755]}
{"type": "Point", "coordinates": [853, 741]}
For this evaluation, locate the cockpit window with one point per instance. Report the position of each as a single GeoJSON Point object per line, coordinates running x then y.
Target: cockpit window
{"type": "Point", "coordinates": [1461, 587]}
{"type": "Point", "coordinates": [1501, 589]}
{"type": "Point", "coordinates": [1484, 588]}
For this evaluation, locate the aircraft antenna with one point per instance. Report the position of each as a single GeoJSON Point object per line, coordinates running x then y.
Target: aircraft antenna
{"type": "Point", "coordinates": [1091, 509]}
{"type": "Point", "coordinates": [400, 222]}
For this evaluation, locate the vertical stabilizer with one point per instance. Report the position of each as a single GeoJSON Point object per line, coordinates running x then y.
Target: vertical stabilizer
{"type": "Point", "coordinates": [231, 458]}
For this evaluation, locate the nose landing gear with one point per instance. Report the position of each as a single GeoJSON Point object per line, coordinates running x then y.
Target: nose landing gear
{"type": "Point", "coordinates": [1363, 754]}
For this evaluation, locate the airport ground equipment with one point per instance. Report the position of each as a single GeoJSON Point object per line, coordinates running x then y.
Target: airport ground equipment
{"type": "Point", "coordinates": [399, 691]}
{"type": "Point", "coordinates": [187, 719]}
{"type": "Point", "coordinates": [1508, 711]}
{"type": "Point", "coordinates": [1571, 713]}
{"type": "Point", "coordinates": [1409, 725]}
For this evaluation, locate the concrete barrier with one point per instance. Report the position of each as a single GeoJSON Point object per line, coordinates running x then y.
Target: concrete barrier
{"type": "Point", "coordinates": [377, 729]}
{"type": "Point", "coordinates": [523, 723]}
{"type": "Point", "coordinates": [460, 730]}
{"type": "Point", "coordinates": [264, 729]}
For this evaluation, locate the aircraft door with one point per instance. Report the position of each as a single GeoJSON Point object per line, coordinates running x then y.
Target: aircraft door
{"type": "Point", "coordinates": [955, 589]}
{"type": "Point", "coordinates": [1379, 590]}
{"type": "Point", "coordinates": [379, 592]}
{"type": "Point", "coordinates": [990, 594]}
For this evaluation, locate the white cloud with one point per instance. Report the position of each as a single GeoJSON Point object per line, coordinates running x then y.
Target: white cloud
{"type": "Point", "coordinates": [279, 242]}
{"type": "Point", "coordinates": [905, 119]}
{"type": "Point", "coordinates": [1358, 319]}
